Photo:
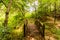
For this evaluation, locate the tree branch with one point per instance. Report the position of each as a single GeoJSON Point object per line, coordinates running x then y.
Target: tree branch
{"type": "Point", "coordinates": [4, 3]}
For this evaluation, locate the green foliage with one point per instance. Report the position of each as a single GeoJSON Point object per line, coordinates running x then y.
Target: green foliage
{"type": "Point", "coordinates": [20, 10]}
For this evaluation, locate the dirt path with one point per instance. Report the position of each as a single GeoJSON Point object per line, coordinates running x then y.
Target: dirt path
{"type": "Point", "coordinates": [48, 36]}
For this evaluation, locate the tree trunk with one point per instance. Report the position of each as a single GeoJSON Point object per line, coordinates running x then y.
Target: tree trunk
{"type": "Point", "coordinates": [55, 12]}
{"type": "Point", "coordinates": [25, 26]}
{"type": "Point", "coordinates": [7, 13]}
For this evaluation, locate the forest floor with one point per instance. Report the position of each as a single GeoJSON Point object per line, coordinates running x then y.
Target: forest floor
{"type": "Point", "coordinates": [50, 35]}
{"type": "Point", "coordinates": [56, 26]}
{"type": "Point", "coordinates": [50, 32]}
{"type": "Point", "coordinates": [57, 22]}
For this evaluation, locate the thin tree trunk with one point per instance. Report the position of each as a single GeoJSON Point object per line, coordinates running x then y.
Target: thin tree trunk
{"type": "Point", "coordinates": [7, 13]}
{"type": "Point", "coordinates": [55, 13]}
{"type": "Point", "coordinates": [42, 33]}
